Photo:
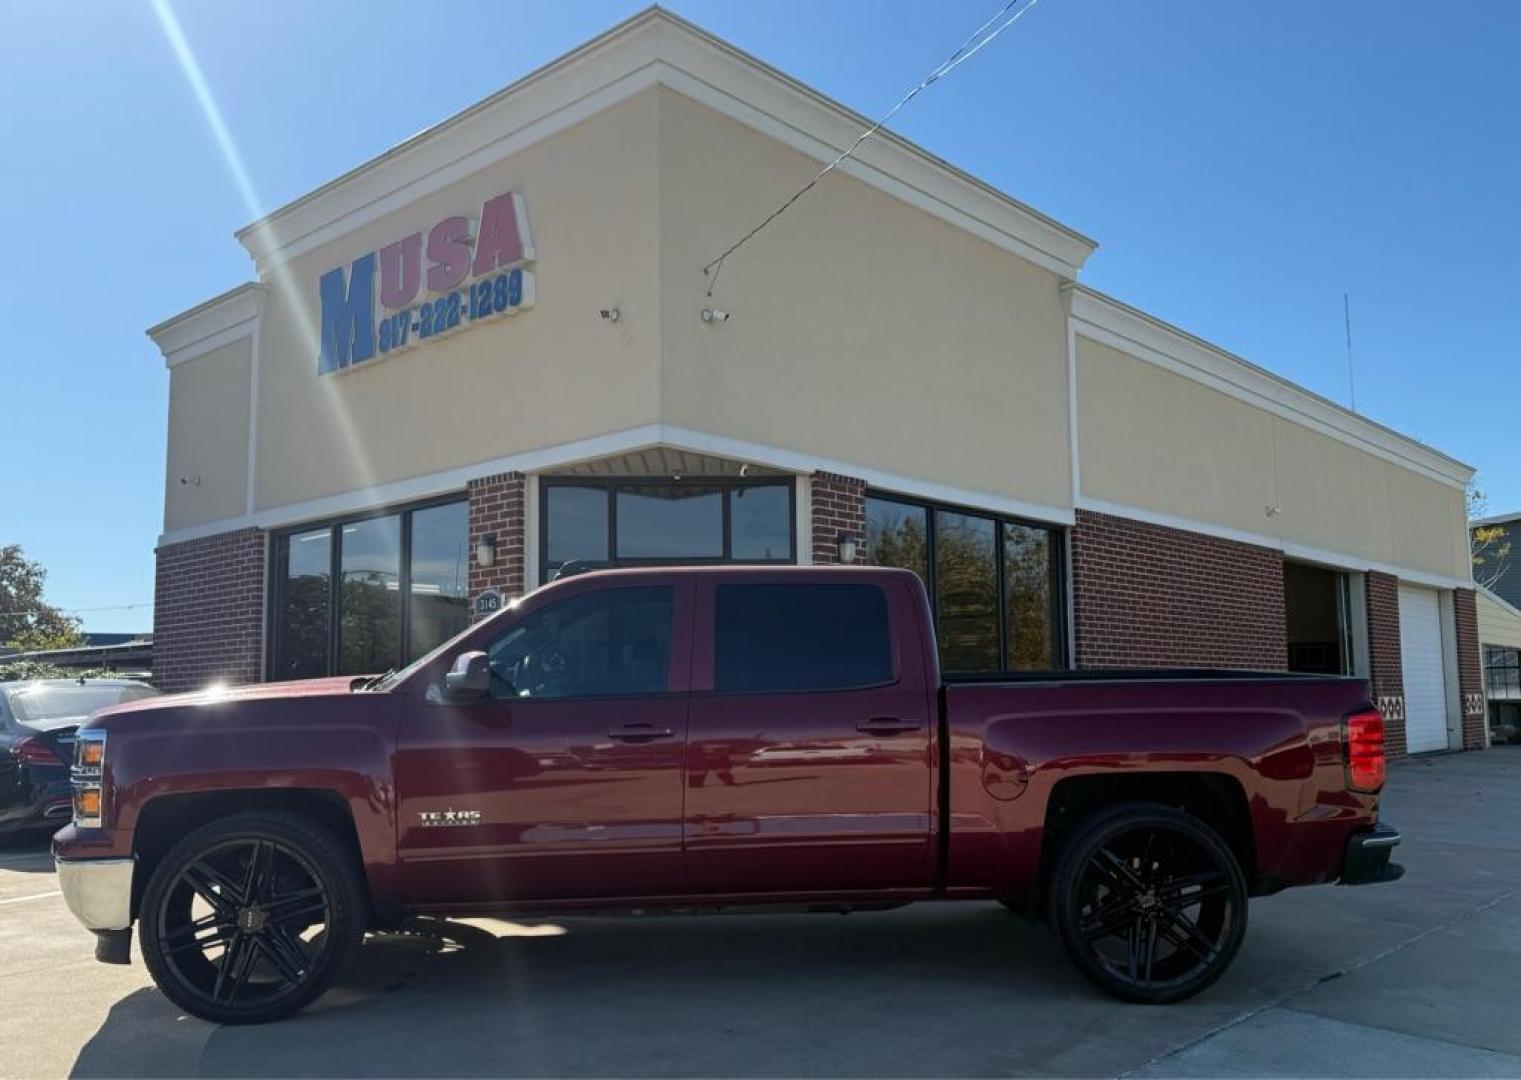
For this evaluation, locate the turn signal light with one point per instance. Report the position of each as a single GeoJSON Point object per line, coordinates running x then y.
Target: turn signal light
{"type": "Point", "coordinates": [91, 753]}
{"type": "Point", "coordinates": [1365, 751]}
{"type": "Point", "coordinates": [87, 803]}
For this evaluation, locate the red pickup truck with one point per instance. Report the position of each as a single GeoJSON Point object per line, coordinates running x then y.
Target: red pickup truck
{"type": "Point", "coordinates": [713, 738]}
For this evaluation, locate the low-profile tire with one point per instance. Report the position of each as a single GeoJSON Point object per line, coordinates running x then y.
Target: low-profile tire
{"type": "Point", "coordinates": [251, 917]}
{"type": "Point", "coordinates": [1149, 902]}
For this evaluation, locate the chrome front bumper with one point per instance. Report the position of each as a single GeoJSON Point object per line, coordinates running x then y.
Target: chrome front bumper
{"type": "Point", "coordinates": [98, 891]}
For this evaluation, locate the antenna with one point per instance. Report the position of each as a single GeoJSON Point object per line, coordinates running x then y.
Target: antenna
{"type": "Point", "coordinates": [1346, 308]}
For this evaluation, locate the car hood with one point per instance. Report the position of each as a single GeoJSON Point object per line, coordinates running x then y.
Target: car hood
{"type": "Point", "coordinates": [218, 695]}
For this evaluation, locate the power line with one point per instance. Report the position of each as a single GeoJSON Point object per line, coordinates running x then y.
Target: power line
{"type": "Point", "coordinates": [980, 39]}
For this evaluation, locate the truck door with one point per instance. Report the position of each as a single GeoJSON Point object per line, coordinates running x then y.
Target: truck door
{"type": "Point", "coordinates": [565, 782]}
{"type": "Point", "coordinates": [809, 749]}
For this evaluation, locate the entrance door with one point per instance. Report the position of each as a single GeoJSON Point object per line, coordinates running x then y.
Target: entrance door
{"type": "Point", "coordinates": [808, 761]}
{"type": "Point", "coordinates": [565, 782]}
{"type": "Point", "coordinates": [1423, 662]}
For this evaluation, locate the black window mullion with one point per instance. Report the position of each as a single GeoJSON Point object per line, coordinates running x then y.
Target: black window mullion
{"type": "Point", "coordinates": [335, 595]}
{"type": "Point", "coordinates": [1000, 605]}
{"type": "Point", "coordinates": [404, 592]}
{"type": "Point", "coordinates": [726, 527]}
{"type": "Point", "coordinates": [612, 523]}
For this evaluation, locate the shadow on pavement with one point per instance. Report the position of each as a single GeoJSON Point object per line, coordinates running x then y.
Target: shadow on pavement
{"type": "Point", "coordinates": [734, 995]}
{"type": "Point", "coordinates": [28, 852]}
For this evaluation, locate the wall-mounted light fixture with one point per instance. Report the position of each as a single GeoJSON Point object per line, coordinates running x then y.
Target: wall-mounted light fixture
{"type": "Point", "coordinates": [485, 550]}
{"type": "Point", "coordinates": [611, 314]}
{"type": "Point", "coordinates": [846, 545]}
{"type": "Point", "coordinates": [714, 315]}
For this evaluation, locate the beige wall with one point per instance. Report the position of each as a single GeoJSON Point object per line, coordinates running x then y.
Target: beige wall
{"type": "Point", "coordinates": [547, 375]}
{"type": "Point", "coordinates": [1498, 623]}
{"type": "Point", "coordinates": [1152, 439]}
{"type": "Point", "coordinates": [208, 437]}
{"type": "Point", "coordinates": [862, 330]}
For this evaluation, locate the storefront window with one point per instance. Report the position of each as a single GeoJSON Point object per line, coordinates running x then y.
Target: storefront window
{"type": "Point", "coordinates": [369, 596]}
{"type": "Point", "coordinates": [966, 592]}
{"type": "Point", "coordinates": [438, 576]}
{"type": "Point", "coordinates": [761, 521]}
{"type": "Point", "coordinates": [670, 521]}
{"type": "Point", "coordinates": [576, 523]}
{"type": "Point", "coordinates": [897, 534]}
{"type": "Point", "coordinates": [1027, 596]}
{"type": "Point", "coordinates": [365, 595]}
{"type": "Point", "coordinates": [305, 603]}
{"type": "Point", "coordinates": [994, 584]}
{"type": "Point", "coordinates": [665, 521]}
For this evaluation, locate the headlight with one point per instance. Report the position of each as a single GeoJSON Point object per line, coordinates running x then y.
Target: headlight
{"type": "Point", "coordinates": [89, 763]}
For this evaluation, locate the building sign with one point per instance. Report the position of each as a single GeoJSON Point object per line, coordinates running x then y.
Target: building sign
{"type": "Point", "coordinates": [459, 273]}
{"type": "Point", "coordinates": [489, 603]}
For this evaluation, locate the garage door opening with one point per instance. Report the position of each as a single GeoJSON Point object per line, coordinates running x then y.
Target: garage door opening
{"type": "Point", "coordinates": [1317, 609]}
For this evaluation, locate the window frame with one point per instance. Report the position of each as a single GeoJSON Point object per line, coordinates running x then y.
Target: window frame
{"type": "Point", "coordinates": [280, 563]}
{"type": "Point", "coordinates": [611, 485]}
{"type": "Point", "coordinates": [1061, 659]}
{"type": "Point", "coordinates": [1502, 659]}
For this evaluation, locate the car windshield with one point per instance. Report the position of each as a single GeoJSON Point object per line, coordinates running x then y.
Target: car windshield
{"type": "Point", "coordinates": [53, 702]}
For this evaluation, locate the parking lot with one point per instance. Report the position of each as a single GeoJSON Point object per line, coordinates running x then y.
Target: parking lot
{"type": "Point", "coordinates": [1412, 979]}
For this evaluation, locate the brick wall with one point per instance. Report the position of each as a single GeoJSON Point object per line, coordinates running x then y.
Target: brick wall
{"type": "Point", "coordinates": [1386, 673]}
{"type": "Point", "coordinates": [1470, 668]}
{"type": "Point", "coordinates": [838, 505]}
{"type": "Point", "coordinates": [496, 506]}
{"type": "Point", "coordinates": [208, 612]}
{"type": "Point", "coordinates": [1151, 596]}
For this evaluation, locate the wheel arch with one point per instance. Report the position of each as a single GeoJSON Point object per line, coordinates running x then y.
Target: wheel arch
{"type": "Point", "coordinates": [1217, 799]}
{"type": "Point", "coordinates": [165, 819]}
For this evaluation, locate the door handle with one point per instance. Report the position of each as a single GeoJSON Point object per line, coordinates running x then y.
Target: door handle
{"type": "Point", "coordinates": [640, 732]}
{"type": "Point", "coordinates": [888, 725]}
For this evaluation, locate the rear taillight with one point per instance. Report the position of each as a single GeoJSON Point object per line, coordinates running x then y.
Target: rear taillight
{"type": "Point", "coordinates": [1365, 751]}
{"type": "Point", "coordinates": [35, 751]}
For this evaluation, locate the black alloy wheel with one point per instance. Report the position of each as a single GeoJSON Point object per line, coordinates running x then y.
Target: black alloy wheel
{"type": "Point", "coordinates": [249, 918]}
{"type": "Point", "coordinates": [1150, 902]}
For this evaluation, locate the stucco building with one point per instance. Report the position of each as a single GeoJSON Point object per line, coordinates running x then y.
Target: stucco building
{"type": "Point", "coordinates": [492, 349]}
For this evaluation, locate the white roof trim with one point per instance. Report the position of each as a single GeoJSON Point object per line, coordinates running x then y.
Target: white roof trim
{"type": "Point", "coordinates": [219, 321]}
{"type": "Point", "coordinates": [1108, 321]}
{"type": "Point", "coordinates": [1302, 552]}
{"type": "Point", "coordinates": [656, 47]}
{"type": "Point", "coordinates": [1500, 601]}
{"type": "Point", "coordinates": [617, 442]}
{"type": "Point", "coordinates": [1495, 519]}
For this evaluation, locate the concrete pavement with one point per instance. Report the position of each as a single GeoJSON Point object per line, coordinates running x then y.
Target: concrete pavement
{"type": "Point", "coordinates": [1412, 979]}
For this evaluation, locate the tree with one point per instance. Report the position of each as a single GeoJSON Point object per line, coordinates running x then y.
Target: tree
{"type": "Point", "coordinates": [26, 620]}
{"type": "Point", "coordinates": [1490, 544]}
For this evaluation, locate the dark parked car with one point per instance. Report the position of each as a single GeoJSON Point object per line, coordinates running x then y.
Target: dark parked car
{"type": "Point", "coordinates": [37, 723]}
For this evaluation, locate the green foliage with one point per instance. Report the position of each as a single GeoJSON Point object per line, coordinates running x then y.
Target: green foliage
{"type": "Point", "coordinates": [23, 670]}
{"type": "Point", "coordinates": [26, 620]}
{"type": "Point", "coordinates": [1490, 544]}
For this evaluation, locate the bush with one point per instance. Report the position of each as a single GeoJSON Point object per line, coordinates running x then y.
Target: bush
{"type": "Point", "coordinates": [21, 670]}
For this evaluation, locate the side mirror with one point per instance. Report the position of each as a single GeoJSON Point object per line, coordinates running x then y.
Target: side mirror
{"type": "Point", "coordinates": [470, 677]}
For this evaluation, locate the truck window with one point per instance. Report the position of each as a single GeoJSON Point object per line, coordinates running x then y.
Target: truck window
{"type": "Point", "coordinates": [615, 642]}
{"type": "Point", "coordinates": [777, 638]}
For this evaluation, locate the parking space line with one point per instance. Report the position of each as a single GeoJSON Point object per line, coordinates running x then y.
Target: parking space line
{"type": "Point", "coordinates": [35, 896]}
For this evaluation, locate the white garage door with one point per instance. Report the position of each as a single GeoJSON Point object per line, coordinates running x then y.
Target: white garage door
{"type": "Point", "coordinates": [1425, 672]}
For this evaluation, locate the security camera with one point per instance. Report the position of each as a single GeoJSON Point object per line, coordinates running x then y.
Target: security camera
{"type": "Point", "coordinates": [611, 314]}
{"type": "Point", "coordinates": [712, 315]}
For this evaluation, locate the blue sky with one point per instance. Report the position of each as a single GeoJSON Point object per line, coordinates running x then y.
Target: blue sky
{"type": "Point", "coordinates": [1241, 165]}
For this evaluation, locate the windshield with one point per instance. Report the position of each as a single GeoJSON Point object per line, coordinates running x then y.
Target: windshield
{"type": "Point", "coordinates": [54, 702]}
{"type": "Point", "coordinates": [395, 678]}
